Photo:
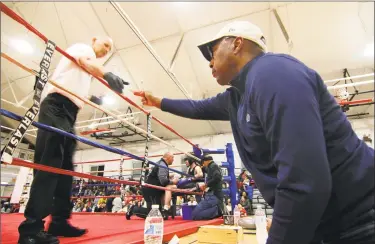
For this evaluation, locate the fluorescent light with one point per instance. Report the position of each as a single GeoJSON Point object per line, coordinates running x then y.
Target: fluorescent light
{"type": "Point", "coordinates": [108, 100]}
{"type": "Point", "coordinates": [4, 183]}
{"type": "Point", "coordinates": [369, 50]}
{"type": "Point", "coordinates": [22, 46]}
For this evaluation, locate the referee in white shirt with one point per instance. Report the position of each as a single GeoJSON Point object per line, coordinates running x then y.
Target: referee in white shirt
{"type": "Point", "coordinates": [50, 193]}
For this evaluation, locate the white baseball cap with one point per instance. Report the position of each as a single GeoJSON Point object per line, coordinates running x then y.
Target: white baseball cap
{"type": "Point", "coordinates": [243, 29]}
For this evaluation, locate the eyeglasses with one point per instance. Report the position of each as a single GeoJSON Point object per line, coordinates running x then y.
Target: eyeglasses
{"type": "Point", "coordinates": [214, 43]}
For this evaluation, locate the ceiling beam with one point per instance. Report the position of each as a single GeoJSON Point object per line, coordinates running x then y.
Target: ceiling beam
{"type": "Point", "coordinates": [115, 50]}
{"type": "Point", "coordinates": [145, 42]}
{"type": "Point", "coordinates": [282, 28]}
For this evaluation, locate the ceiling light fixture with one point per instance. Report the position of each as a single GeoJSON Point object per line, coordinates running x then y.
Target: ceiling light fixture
{"type": "Point", "coordinates": [92, 126]}
{"type": "Point", "coordinates": [22, 46]}
{"type": "Point", "coordinates": [108, 100]}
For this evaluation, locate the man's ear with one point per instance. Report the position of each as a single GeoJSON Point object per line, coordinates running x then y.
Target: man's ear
{"type": "Point", "coordinates": [238, 44]}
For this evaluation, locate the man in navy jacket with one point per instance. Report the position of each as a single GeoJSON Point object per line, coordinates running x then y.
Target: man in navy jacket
{"type": "Point", "coordinates": [291, 135]}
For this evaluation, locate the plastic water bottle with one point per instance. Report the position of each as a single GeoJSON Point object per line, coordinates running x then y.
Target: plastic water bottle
{"type": "Point", "coordinates": [261, 225]}
{"type": "Point", "coordinates": [154, 225]}
{"type": "Point", "coordinates": [236, 215]}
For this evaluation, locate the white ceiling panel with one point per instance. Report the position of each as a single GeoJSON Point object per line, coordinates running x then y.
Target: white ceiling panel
{"type": "Point", "coordinates": [154, 20]}
{"type": "Point", "coordinates": [321, 32]}
{"type": "Point", "coordinates": [192, 15]}
{"type": "Point", "coordinates": [115, 26]}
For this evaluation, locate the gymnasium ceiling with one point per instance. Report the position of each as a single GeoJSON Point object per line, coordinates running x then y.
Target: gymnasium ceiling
{"type": "Point", "coordinates": [328, 37]}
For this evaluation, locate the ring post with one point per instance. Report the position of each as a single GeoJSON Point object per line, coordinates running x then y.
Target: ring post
{"type": "Point", "coordinates": [197, 152]}
{"type": "Point", "coordinates": [232, 184]}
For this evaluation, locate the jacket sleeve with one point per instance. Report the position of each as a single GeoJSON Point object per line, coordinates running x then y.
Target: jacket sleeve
{"type": "Point", "coordinates": [285, 98]}
{"type": "Point", "coordinates": [214, 108]}
{"type": "Point", "coordinates": [163, 175]}
{"type": "Point", "coordinates": [215, 176]}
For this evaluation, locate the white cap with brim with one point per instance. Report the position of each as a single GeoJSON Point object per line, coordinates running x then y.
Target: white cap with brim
{"type": "Point", "coordinates": [242, 29]}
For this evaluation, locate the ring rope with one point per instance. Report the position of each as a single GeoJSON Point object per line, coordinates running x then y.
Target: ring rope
{"type": "Point", "coordinates": [104, 197]}
{"type": "Point", "coordinates": [20, 20]}
{"type": "Point", "coordinates": [31, 113]}
{"type": "Point", "coordinates": [95, 105]}
{"type": "Point", "coordinates": [24, 163]}
{"type": "Point", "coordinates": [84, 140]}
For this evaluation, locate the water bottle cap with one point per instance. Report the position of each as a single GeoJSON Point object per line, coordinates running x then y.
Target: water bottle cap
{"type": "Point", "coordinates": [155, 206]}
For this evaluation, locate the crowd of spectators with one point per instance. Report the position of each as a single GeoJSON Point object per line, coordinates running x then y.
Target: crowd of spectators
{"type": "Point", "coordinates": [7, 207]}
{"type": "Point", "coordinates": [115, 198]}
{"type": "Point", "coordinates": [245, 186]}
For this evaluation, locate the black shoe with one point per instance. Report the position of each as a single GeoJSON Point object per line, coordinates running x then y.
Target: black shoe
{"type": "Point", "coordinates": [173, 211]}
{"type": "Point", "coordinates": [41, 238]}
{"type": "Point", "coordinates": [164, 213]}
{"type": "Point", "coordinates": [129, 213]}
{"type": "Point", "coordinates": [65, 229]}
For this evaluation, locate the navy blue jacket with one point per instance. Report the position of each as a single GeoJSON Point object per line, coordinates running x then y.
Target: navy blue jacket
{"type": "Point", "coordinates": [301, 150]}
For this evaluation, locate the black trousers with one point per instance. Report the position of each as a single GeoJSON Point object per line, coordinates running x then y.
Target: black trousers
{"type": "Point", "coordinates": [151, 196]}
{"type": "Point", "coordinates": [50, 193]}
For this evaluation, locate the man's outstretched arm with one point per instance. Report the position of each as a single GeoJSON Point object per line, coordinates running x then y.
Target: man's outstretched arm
{"type": "Point", "coordinates": [214, 108]}
{"type": "Point", "coordinates": [92, 66]}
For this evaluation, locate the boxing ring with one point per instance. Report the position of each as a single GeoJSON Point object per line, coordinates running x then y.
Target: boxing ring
{"type": "Point", "coordinates": [102, 227]}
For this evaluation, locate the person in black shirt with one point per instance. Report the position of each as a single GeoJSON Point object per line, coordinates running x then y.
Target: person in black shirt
{"type": "Point", "coordinates": [196, 174]}
{"type": "Point", "coordinates": [195, 171]}
{"type": "Point", "coordinates": [211, 206]}
{"type": "Point", "coordinates": [157, 176]}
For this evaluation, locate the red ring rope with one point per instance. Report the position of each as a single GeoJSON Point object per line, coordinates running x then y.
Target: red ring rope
{"type": "Point", "coordinates": [87, 101]}
{"type": "Point", "coordinates": [20, 20]}
{"type": "Point", "coordinates": [105, 197]}
{"type": "Point", "coordinates": [23, 163]}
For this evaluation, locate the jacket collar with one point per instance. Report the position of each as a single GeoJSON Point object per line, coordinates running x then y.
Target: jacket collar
{"type": "Point", "coordinates": [239, 82]}
{"type": "Point", "coordinates": [208, 165]}
{"type": "Point", "coordinates": [164, 162]}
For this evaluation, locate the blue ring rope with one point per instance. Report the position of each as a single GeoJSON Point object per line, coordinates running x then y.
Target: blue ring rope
{"type": "Point", "coordinates": [84, 140]}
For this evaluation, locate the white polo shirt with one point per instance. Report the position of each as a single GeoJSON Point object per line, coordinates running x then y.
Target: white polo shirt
{"type": "Point", "coordinates": [71, 76]}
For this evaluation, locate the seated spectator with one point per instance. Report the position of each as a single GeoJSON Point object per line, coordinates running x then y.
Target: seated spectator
{"type": "Point", "coordinates": [245, 203]}
{"type": "Point", "coordinates": [242, 210]}
{"type": "Point", "coordinates": [109, 204]}
{"type": "Point", "coordinates": [117, 204]}
{"type": "Point", "coordinates": [192, 201]}
{"type": "Point", "coordinates": [229, 206]}
{"type": "Point", "coordinates": [87, 207]}
{"type": "Point", "coordinates": [100, 208]}
{"type": "Point", "coordinates": [78, 206]}
{"type": "Point", "coordinates": [180, 200]}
